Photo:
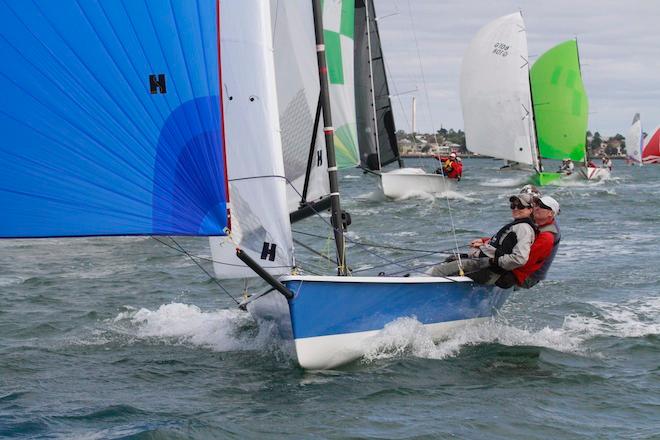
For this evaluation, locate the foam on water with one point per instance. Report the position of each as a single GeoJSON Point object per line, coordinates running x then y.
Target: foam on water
{"type": "Point", "coordinates": [11, 280]}
{"type": "Point", "coordinates": [407, 336]}
{"type": "Point", "coordinates": [374, 196]}
{"type": "Point", "coordinates": [219, 330]}
{"type": "Point", "coordinates": [578, 183]}
{"type": "Point", "coordinates": [422, 195]}
{"type": "Point", "coordinates": [509, 182]}
{"type": "Point", "coordinates": [630, 319]}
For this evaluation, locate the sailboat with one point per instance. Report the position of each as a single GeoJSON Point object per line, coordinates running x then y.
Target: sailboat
{"type": "Point", "coordinates": [496, 95]}
{"type": "Point", "coordinates": [561, 111]}
{"type": "Point", "coordinates": [116, 120]}
{"type": "Point", "coordinates": [519, 114]}
{"type": "Point", "coordinates": [651, 152]}
{"type": "Point", "coordinates": [634, 141]}
{"type": "Point", "coordinates": [375, 120]}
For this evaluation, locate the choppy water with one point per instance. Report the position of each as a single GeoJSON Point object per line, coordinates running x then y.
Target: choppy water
{"type": "Point", "coordinates": [126, 338]}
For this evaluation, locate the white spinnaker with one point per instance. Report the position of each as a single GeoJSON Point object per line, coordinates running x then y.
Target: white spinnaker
{"type": "Point", "coordinates": [634, 140]}
{"type": "Point", "coordinates": [257, 187]}
{"type": "Point", "coordinates": [298, 90]}
{"type": "Point", "coordinates": [495, 92]}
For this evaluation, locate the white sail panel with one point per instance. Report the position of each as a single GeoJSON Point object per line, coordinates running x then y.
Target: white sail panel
{"type": "Point", "coordinates": [257, 186]}
{"type": "Point", "coordinates": [298, 92]}
{"type": "Point", "coordinates": [495, 92]}
{"type": "Point", "coordinates": [634, 140]}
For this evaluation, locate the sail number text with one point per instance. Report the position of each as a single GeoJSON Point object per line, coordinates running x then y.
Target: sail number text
{"type": "Point", "coordinates": [501, 49]}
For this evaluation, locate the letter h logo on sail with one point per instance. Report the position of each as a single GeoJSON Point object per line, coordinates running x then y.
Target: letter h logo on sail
{"type": "Point", "coordinates": [268, 251]}
{"type": "Point", "coordinates": [157, 84]}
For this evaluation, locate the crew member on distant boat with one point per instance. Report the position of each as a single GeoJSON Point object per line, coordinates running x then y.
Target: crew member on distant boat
{"type": "Point", "coordinates": [452, 167]}
{"type": "Point", "coordinates": [607, 163]}
{"type": "Point", "coordinates": [492, 260]}
{"type": "Point", "coordinates": [567, 167]}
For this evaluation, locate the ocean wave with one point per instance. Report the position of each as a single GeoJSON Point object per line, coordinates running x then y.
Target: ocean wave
{"type": "Point", "coordinates": [630, 319]}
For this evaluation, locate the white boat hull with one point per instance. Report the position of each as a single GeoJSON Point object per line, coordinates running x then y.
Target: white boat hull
{"type": "Point", "coordinates": [588, 173]}
{"type": "Point", "coordinates": [405, 182]}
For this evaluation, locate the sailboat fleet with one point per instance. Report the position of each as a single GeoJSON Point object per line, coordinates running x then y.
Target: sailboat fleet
{"type": "Point", "coordinates": [153, 118]}
{"type": "Point", "coordinates": [525, 113]}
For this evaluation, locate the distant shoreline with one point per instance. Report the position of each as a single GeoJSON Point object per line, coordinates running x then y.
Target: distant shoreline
{"type": "Point", "coordinates": [479, 156]}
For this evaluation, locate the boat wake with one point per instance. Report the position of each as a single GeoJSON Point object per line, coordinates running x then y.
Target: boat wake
{"type": "Point", "coordinates": [449, 194]}
{"type": "Point", "coordinates": [408, 337]}
{"type": "Point", "coordinates": [573, 183]}
{"type": "Point", "coordinates": [632, 319]}
{"type": "Point", "coordinates": [234, 330]}
{"type": "Point", "coordinates": [510, 182]}
{"type": "Point", "coordinates": [184, 324]}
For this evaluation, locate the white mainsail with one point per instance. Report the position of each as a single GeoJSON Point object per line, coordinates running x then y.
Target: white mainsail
{"type": "Point", "coordinates": [257, 186]}
{"type": "Point", "coordinates": [495, 92]}
{"type": "Point", "coordinates": [634, 140]}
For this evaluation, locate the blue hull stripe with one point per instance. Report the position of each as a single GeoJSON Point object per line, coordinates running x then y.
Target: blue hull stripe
{"type": "Point", "coordinates": [322, 308]}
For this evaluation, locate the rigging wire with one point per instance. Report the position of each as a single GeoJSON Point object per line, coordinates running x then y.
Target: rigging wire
{"type": "Point", "coordinates": [383, 246]}
{"type": "Point", "coordinates": [180, 248]}
{"type": "Point", "coordinates": [428, 107]}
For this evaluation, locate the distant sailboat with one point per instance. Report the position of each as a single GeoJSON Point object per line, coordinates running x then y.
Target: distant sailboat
{"type": "Point", "coordinates": [375, 120]}
{"type": "Point", "coordinates": [116, 120]}
{"type": "Point", "coordinates": [519, 114]}
{"type": "Point", "coordinates": [495, 94]}
{"type": "Point", "coordinates": [634, 141]}
{"type": "Point", "coordinates": [561, 111]}
{"type": "Point", "coordinates": [651, 152]}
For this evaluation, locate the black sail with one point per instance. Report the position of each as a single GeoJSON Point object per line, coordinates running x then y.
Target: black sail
{"type": "Point", "coordinates": [366, 126]}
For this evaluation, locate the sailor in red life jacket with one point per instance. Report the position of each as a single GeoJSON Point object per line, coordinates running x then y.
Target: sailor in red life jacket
{"type": "Point", "coordinates": [451, 167]}
{"type": "Point", "coordinates": [491, 260]}
{"type": "Point", "coordinates": [545, 246]}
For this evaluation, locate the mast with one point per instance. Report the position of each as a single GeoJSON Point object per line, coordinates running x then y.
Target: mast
{"type": "Point", "coordinates": [414, 122]}
{"type": "Point", "coordinates": [537, 150]}
{"type": "Point", "coordinates": [586, 148]}
{"type": "Point", "coordinates": [328, 130]}
{"type": "Point", "coordinates": [371, 83]}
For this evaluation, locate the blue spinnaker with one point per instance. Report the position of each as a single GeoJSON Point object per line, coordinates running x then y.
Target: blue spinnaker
{"type": "Point", "coordinates": [110, 118]}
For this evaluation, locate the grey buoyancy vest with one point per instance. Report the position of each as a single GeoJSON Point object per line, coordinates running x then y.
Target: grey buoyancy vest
{"type": "Point", "coordinates": [504, 242]}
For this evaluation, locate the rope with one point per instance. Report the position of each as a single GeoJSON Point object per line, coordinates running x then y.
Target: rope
{"type": "Point", "coordinates": [180, 249]}
{"type": "Point", "coordinates": [365, 243]}
{"type": "Point", "coordinates": [428, 107]}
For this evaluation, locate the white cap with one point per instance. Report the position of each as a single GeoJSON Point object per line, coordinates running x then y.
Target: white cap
{"type": "Point", "coordinates": [452, 155]}
{"type": "Point", "coordinates": [551, 203]}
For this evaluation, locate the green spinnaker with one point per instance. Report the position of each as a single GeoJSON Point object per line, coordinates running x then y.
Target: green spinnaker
{"type": "Point", "coordinates": [338, 29]}
{"type": "Point", "coordinates": [560, 103]}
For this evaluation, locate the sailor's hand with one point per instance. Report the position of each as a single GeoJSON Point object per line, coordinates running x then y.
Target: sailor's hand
{"type": "Point", "coordinates": [477, 243]}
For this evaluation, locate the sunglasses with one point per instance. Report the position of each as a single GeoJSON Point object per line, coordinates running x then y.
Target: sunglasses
{"type": "Point", "coordinates": [542, 206]}
{"type": "Point", "coordinates": [517, 205]}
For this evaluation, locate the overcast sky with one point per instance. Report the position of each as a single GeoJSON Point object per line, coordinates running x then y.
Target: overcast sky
{"type": "Point", "coordinates": [619, 42]}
